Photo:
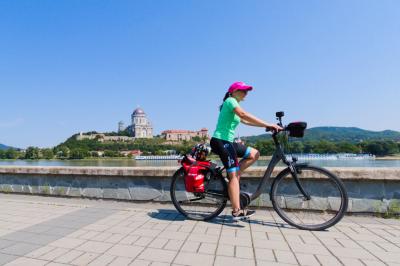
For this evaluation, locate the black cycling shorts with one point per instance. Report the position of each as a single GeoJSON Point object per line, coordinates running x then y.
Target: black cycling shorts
{"type": "Point", "coordinates": [229, 152]}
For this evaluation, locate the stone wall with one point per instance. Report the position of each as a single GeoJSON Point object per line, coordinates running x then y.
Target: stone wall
{"type": "Point", "coordinates": [369, 189]}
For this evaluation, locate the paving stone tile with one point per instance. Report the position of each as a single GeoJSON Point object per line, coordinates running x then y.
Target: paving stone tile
{"type": "Point", "coordinates": [264, 254]}
{"type": "Point", "coordinates": [285, 257]}
{"type": "Point", "coordinates": [56, 264]}
{"type": "Point", "coordinates": [176, 235]}
{"type": "Point", "coordinates": [125, 250]}
{"type": "Point", "coordinates": [5, 258]}
{"type": "Point", "coordinates": [102, 236]}
{"type": "Point", "coordinates": [268, 244]}
{"type": "Point", "coordinates": [39, 252]}
{"type": "Point", "coordinates": [237, 241]}
{"type": "Point", "coordinates": [160, 264]}
{"type": "Point", "coordinates": [27, 262]}
{"type": "Point", "coordinates": [121, 261]}
{"type": "Point", "coordinates": [191, 246]}
{"type": "Point", "coordinates": [158, 243]}
{"type": "Point", "coordinates": [173, 245]}
{"type": "Point", "coordinates": [140, 263]}
{"type": "Point", "coordinates": [226, 250]}
{"type": "Point", "coordinates": [94, 247]}
{"type": "Point", "coordinates": [159, 255]}
{"type": "Point", "coordinates": [351, 262]}
{"type": "Point", "coordinates": [115, 238]}
{"type": "Point", "coordinates": [244, 252]}
{"type": "Point", "coordinates": [85, 259]}
{"type": "Point", "coordinates": [328, 260]}
{"type": "Point", "coordinates": [69, 256]}
{"type": "Point", "coordinates": [229, 261]}
{"type": "Point", "coordinates": [347, 243]}
{"type": "Point", "coordinates": [351, 253]}
{"type": "Point", "coordinates": [307, 259]}
{"type": "Point", "coordinates": [20, 249]}
{"type": "Point", "coordinates": [269, 263]}
{"type": "Point", "coordinates": [55, 253]}
{"type": "Point", "coordinates": [388, 247]}
{"type": "Point", "coordinates": [88, 235]}
{"type": "Point", "coordinates": [59, 231]}
{"type": "Point", "coordinates": [6, 243]}
{"type": "Point", "coordinates": [144, 241]}
{"type": "Point", "coordinates": [195, 259]}
{"type": "Point", "coordinates": [309, 249]}
{"type": "Point", "coordinates": [207, 248]}
{"type": "Point", "coordinates": [388, 257]}
{"type": "Point", "coordinates": [67, 243]}
{"type": "Point", "coordinates": [373, 262]}
{"type": "Point", "coordinates": [275, 237]}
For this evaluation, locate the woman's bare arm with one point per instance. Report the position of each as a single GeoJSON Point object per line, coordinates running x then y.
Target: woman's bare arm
{"type": "Point", "coordinates": [252, 120]}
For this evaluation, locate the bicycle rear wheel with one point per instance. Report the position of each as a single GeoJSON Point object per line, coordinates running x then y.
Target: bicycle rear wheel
{"type": "Point", "coordinates": [199, 206]}
{"type": "Point", "coordinates": [326, 206]}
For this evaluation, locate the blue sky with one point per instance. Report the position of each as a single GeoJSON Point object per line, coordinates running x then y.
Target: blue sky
{"type": "Point", "coordinates": [71, 66]}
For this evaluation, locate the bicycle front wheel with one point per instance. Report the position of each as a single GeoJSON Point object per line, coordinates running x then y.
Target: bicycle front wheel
{"type": "Point", "coordinates": [199, 206]}
{"type": "Point", "coordinates": [327, 203]}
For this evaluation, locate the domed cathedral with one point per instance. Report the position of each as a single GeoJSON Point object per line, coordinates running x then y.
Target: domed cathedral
{"type": "Point", "coordinates": [141, 126]}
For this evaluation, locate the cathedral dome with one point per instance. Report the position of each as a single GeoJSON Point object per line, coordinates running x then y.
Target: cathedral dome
{"type": "Point", "coordinates": [138, 111]}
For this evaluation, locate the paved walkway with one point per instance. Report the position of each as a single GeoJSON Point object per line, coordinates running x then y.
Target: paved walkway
{"type": "Point", "coordinates": [56, 231]}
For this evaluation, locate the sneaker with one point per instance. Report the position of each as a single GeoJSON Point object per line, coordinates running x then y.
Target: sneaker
{"type": "Point", "coordinates": [243, 214]}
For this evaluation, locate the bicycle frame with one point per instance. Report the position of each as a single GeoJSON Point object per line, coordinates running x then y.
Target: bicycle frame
{"type": "Point", "coordinates": [276, 158]}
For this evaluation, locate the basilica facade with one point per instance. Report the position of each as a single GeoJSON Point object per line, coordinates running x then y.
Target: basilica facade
{"type": "Point", "coordinates": [140, 126]}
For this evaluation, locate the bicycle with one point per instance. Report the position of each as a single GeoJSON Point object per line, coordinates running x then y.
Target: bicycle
{"type": "Point", "coordinates": [295, 195]}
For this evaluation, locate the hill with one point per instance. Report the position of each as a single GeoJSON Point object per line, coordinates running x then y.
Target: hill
{"type": "Point", "coordinates": [334, 134]}
{"type": "Point", "coordinates": [4, 147]}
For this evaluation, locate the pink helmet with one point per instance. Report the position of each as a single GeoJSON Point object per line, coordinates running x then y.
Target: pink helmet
{"type": "Point", "coordinates": [239, 85]}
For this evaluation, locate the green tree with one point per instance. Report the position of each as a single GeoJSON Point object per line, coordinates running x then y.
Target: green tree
{"type": "Point", "coordinates": [32, 153]}
{"type": "Point", "coordinates": [62, 152]}
{"type": "Point", "coordinates": [12, 154]}
{"type": "Point", "coordinates": [109, 153]}
{"type": "Point", "coordinates": [2, 154]}
{"type": "Point", "coordinates": [381, 148]}
{"type": "Point", "coordinates": [296, 147]}
{"type": "Point", "coordinates": [47, 154]}
{"type": "Point", "coordinates": [265, 147]}
{"type": "Point", "coordinates": [94, 154]}
{"type": "Point", "coordinates": [78, 154]}
{"type": "Point", "coordinates": [324, 146]}
{"type": "Point", "coordinates": [390, 147]}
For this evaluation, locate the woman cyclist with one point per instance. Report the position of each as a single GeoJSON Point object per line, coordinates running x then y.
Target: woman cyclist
{"type": "Point", "coordinates": [222, 142]}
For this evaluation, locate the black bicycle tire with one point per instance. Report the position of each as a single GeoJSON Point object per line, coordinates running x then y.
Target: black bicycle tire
{"type": "Point", "coordinates": [182, 211]}
{"type": "Point", "coordinates": [338, 216]}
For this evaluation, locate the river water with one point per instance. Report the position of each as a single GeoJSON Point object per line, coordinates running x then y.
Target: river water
{"type": "Point", "coordinates": [132, 163]}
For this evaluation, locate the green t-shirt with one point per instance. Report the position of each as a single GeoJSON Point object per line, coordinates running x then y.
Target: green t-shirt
{"type": "Point", "coordinates": [227, 121]}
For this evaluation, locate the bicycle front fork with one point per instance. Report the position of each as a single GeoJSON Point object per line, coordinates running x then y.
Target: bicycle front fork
{"type": "Point", "coordinates": [293, 171]}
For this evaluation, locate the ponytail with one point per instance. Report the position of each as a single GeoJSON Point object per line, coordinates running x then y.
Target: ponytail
{"type": "Point", "coordinates": [227, 95]}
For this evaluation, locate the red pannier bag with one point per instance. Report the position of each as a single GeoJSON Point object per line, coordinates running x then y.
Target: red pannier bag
{"type": "Point", "coordinates": [194, 173]}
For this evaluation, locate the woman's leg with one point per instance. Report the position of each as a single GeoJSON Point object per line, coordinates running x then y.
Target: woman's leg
{"type": "Point", "coordinates": [228, 156]}
{"type": "Point", "coordinates": [234, 190]}
{"type": "Point", "coordinates": [248, 160]}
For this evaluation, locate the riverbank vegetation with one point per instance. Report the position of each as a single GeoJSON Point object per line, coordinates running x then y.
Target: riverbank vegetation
{"type": "Point", "coordinates": [80, 149]}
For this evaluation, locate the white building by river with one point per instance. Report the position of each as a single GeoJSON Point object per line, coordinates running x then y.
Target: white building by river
{"type": "Point", "coordinates": [140, 127]}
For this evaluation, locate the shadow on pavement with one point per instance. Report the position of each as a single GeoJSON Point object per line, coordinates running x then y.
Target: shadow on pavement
{"type": "Point", "coordinates": [226, 220]}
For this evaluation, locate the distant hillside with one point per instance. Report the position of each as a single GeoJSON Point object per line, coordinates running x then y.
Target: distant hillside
{"type": "Point", "coordinates": [350, 134]}
{"type": "Point", "coordinates": [4, 147]}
